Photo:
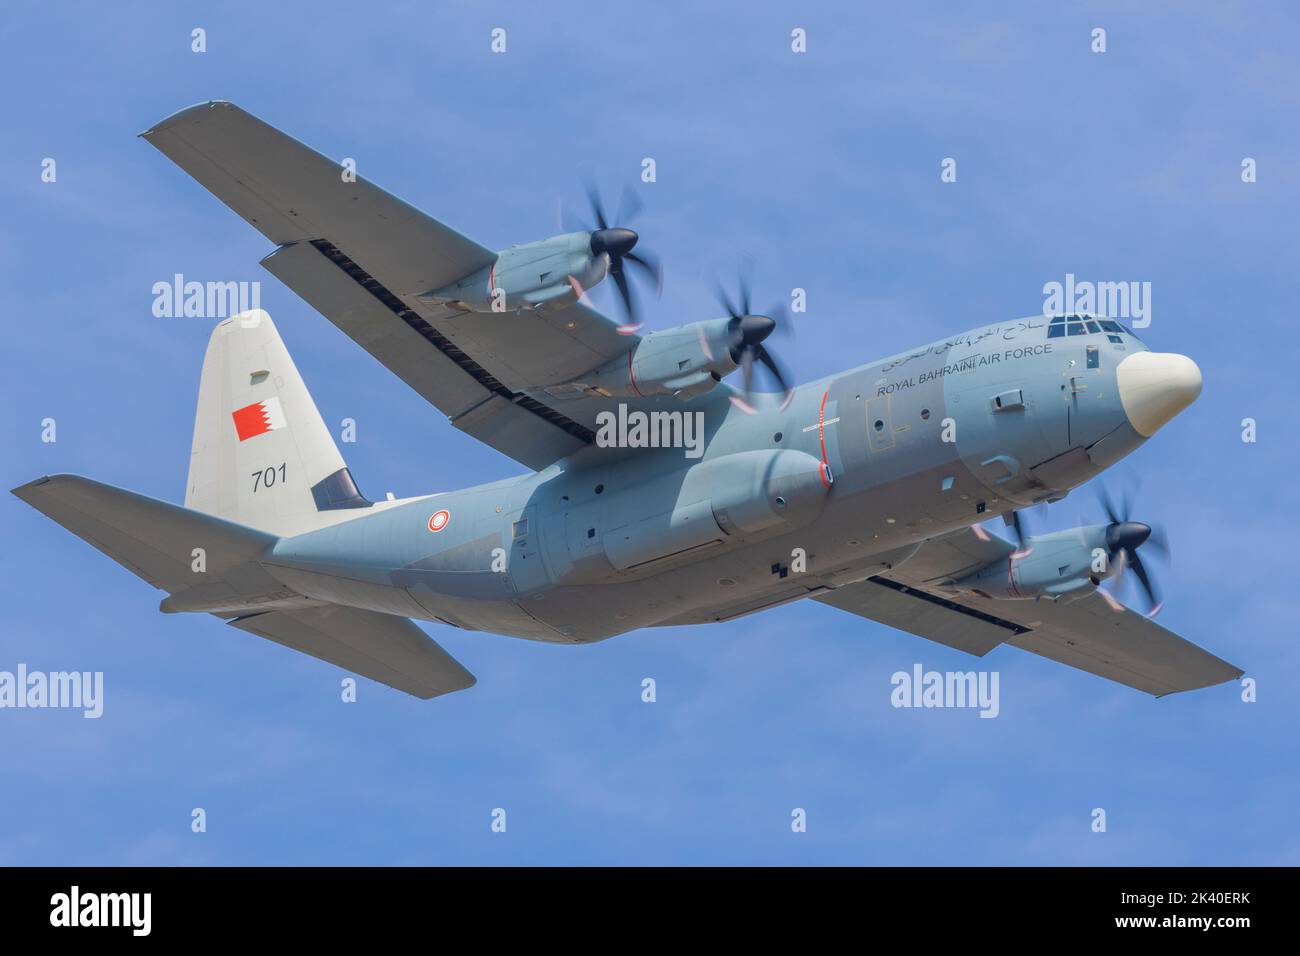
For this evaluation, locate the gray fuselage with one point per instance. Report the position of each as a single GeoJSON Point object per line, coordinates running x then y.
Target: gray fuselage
{"type": "Point", "coordinates": [844, 481]}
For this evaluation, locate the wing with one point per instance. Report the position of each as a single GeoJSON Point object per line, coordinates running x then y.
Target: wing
{"type": "Point", "coordinates": [362, 257]}
{"type": "Point", "coordinates": [388, 649]}
{"type": "Point", "coordinates": [1122, 646]}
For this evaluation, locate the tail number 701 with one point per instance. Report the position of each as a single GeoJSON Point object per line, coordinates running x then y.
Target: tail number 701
{"type": "Point", "coordinates": [268, 477]}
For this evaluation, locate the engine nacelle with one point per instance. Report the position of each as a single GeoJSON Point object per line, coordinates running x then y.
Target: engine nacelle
{"type": "Point", "coordinates": [528, 277]}
{"type": "Point", "coordinates": [684, 361]}
{"type": "Point", "coordinates": [1065, 564]}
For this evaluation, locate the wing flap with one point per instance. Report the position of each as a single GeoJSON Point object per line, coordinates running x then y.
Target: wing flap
{"type": "Point", "coordinates": [367, 321]}
{"type": "Point", "coordinates": [388, 649]}
{"type": "Point", "coordinates": [475, 401]}
{"type": "Point", "coordinates": [923, 614]}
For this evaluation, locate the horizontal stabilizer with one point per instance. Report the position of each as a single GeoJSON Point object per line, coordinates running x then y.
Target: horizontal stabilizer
{"type": "Point", "coordinates": [391, 650]}
{"type": "Point", "coordinates": [153, 539]}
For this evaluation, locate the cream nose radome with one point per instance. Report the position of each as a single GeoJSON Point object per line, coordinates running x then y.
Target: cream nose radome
{"type": "Point", "coordinates": [1156, 386]}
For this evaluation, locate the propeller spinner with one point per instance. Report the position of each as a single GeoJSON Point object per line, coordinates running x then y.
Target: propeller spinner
{"type": "Point", "coordinates": [746, 332]}
{"type": "Point", "coordinates": [617, 242]}
{"type": "Point", "coordinates": [1123, 538]}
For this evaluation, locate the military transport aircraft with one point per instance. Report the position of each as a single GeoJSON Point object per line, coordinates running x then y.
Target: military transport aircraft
{"type": "Point", "coordinates": [865, 491]}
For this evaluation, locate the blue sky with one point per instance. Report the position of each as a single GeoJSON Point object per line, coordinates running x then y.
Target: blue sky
{"type": "Point", "coordinates": [825, 168]}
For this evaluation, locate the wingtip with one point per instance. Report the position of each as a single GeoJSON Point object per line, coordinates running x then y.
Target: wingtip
{"type": "Point", "coordinates": [183, 114]}
{"type": "Point", "coordinates": [431, 693]}
{"type": "Point", "coordinates": [34, 483]}
{"type": "Point", "coordinates": [1234, 675]}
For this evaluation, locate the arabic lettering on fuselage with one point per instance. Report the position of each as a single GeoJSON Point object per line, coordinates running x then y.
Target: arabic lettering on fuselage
{"type": "Point", "coordinates": [1008, 332]}
{"type": "Point", "coordinates": [965, 365]}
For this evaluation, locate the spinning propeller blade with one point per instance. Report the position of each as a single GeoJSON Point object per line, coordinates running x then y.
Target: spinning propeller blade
{"type": "Point", "coordinates": [746, 332]}
{"type": "Point", "coordinates": [617, 242]}
{"type": "Point", "coordinates": [1123, 538]}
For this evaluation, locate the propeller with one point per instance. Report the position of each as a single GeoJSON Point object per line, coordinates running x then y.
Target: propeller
{"type": "Point", "coordinates": [1123, 538]}
{"type": "Point", "coordinates": [746, 332]}
{"type": "Point", "coordinates": [1018, 524]}
{"type": "Point", "coordinates": [617, 242]}
{"type": "Point", "coordinates": [1019, 527]}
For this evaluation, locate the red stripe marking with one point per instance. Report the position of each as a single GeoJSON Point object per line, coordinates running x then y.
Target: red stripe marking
{"type": "Point", "coordinates": [630, 377]}
{"type": "Point", "coordinates": [821, 426]}
{"type": "Point", "coordinates": [1011, 573]}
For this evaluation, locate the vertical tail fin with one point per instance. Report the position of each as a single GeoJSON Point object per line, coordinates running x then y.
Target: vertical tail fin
{"type": "Point", "coordinates": [262, 455]}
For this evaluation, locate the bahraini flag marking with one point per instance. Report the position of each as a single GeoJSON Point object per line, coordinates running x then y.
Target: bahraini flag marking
{"type": "Point", "coordinates": [258, 418]}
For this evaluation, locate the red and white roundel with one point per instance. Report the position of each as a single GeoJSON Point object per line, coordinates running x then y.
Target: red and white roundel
{"type": "Point", "coordinates": [438, 520]}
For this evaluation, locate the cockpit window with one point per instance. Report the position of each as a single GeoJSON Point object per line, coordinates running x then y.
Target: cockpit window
{"type": "Point", "coordinates": [1063, 325]}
